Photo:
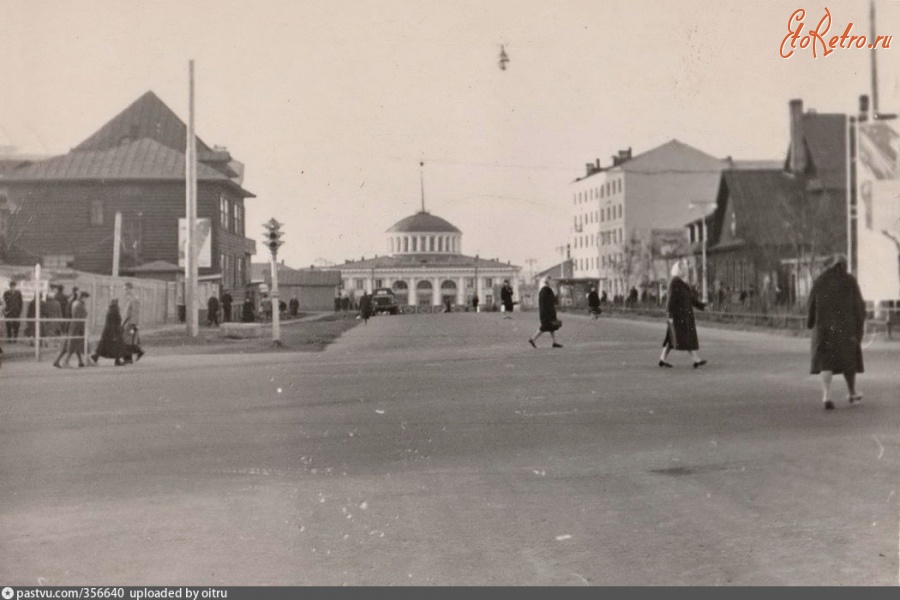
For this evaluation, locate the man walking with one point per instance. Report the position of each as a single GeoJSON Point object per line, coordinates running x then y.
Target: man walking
{"type": "Point", "coordinates": [12, 310]}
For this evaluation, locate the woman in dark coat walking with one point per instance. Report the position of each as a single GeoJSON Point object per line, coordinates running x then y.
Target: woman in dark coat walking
{"type": "Point", "coordinates": [112, 340]}
{"type": "Point", "coordinates": [365, 308]}
{"type": "Point", "coordinates": [837, 316]}
{"type": "Point", "coordinates": [506, 300]}
{"type": "Point", "coordinates": [547, 312]}
{"type": "Point", "coordinates": [681, 333]}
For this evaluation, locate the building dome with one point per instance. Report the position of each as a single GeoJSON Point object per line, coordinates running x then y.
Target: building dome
{"type": "Point", "coordinates": [423, 222]}
{"type": "Point", "coordinates": [423, 233]}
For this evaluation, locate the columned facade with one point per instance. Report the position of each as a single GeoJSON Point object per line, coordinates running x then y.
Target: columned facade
{"type": "Point", "coordinates": [425, 267]}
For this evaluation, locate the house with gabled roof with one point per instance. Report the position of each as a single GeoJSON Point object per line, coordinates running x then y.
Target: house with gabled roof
{"type": "Point", "coordinates": [65, 206]}
{"type": "Point", "coordinates": [772, 228]}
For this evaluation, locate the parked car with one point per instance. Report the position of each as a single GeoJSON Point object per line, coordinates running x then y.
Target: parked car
{"type": "Point", "coordinates": [383, 301]}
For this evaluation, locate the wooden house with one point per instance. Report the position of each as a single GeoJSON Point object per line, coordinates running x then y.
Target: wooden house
{"type": "Point", "coordinates": [61, 211]}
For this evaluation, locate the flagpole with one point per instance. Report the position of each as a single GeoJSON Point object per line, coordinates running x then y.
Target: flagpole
{"type": "Point", "coordinates": [190, 251]}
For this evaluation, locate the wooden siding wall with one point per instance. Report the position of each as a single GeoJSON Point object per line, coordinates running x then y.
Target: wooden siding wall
{"type": "Point", "coordinates": [60, 222]}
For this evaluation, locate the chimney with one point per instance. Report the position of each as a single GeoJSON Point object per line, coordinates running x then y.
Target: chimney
{"type": "Point", "coordinates": [597, 164]}
{"type": "Point", "coordinates": [589, 168]}
{"type": "Point", "coordinates": [863, 108]}
{"type": "Point", "coordinates": [798, 148]}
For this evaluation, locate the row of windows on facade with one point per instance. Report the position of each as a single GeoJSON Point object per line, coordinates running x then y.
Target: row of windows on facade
{"type": "Point", "coordinates": [359, 283]}
{"type": "Point", "coordinates": [231, 215]}
{"type": "Point", "coordinates": [607, 189]}
{"type": "Point", "coordinates": [424, 243]}
{"type": "Point", "coordinates": [604, 214]}
{"type": "Point", "coordinates": [593, 262]}
{"type": "Point", "coordinates": [234, 270]}
{"type": "Point", "coordinates": [613, 236]}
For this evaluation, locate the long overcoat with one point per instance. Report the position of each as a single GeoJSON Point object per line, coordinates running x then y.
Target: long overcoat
{"type": "Point", "coordinates": [506, 298]}
{"type": "Point", "coordinates": [547, 309]}
{"type": "Point", "coordinates": [837, 316]}
{"type": "Point", "coordinates": [680, 308]}
{"type": "Point", "coordinates": [112, 341]}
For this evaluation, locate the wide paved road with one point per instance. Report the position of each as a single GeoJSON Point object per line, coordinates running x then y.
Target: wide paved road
{"type": "Point", "coordinates": [442, 449]}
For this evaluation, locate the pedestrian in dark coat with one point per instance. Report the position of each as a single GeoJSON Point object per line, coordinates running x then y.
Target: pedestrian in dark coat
{"type": "Point", "coordinates": [365, 308]}
{"type": "Point", "coordinates": [247, 312]}
{"type": "Point", "coordinates": [475, 302]}
{"type": "Point", "coordinates": [294, 306]}
{"type": "Point", "coordinates": [212, 311]}
{"type": "Point", "coordinates": [12, 310]}
{"type": "Point", "coordinates": [547, 313]}
{"type": "Point", "coordinates": [506, 300]}
{"type": "Point", "coordinates": [837, 316]}
{"type": "Point", "coordinates": [681, 333]}
{"type": "Point", "coordinates": [112, 340]}
{"type": "Point", "coordinates": [593, 299]}
{"type": "Point", "coordinates": [227, 300]}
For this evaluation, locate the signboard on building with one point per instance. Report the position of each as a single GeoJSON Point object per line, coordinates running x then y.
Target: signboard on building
{"type": "Point", "coordinates": [204, 242]}
{"type": "Point", "coordinates": [28, 287]}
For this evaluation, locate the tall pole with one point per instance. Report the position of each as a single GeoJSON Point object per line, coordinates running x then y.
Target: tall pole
{"type": "Point", "coordinates": [852, 128]}
{"type": "Point", "coordinates": [705, 280]}
{"type": "Point", "coordinates": [190, 251]}
{"type": "Point", "coordinates": [37, 311]}
{"type": "Point", "coordinates": [873, 54]}
{"type": "Point", "coordinates": [276, 303]}
{"type": "Point", "coordinates": [117, 244]}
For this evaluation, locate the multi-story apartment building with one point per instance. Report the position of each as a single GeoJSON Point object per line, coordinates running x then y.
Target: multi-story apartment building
{"type": "Point", "coordinates": [615, 209]}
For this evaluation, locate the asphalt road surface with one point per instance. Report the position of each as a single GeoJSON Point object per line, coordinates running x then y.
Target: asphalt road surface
{"type": "Point", "coordinates": [443, 450]}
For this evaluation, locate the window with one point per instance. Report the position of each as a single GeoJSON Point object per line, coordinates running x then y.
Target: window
{"type": "Point", "coordinates": [238, 218]}
{"type": "Point", "coordinates": [488, 282]}
{"type": "Point", "coordinates": [97, 212]}
{"type": "Point", "coordinates": [359, 283]}
{"type": "Point", "coordinates": [224, 212]}
{"type": "Point", "coordinates": [470, 282]}
{"type": "Point", "coordinates": [379, 283]}
{"type": "Point", "coordinates": [241, 275]}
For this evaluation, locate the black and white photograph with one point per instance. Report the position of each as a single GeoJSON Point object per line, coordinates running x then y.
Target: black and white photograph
{"type": "Point", "coordinates": [325, 293]}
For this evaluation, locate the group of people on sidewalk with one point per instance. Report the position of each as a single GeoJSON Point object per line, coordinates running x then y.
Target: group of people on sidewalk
{"type": "Point", "coordinates": [836, 315]}
{"type": "Point", "coordinates": [119, 341]}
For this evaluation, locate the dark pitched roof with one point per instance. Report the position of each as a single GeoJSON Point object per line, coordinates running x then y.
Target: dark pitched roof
{"type": "Point", "coordinates": [423, 222]}
{"type": "Point", "coordinates": [146, 117]}
{"type": "Point", "coordinates": [419, 260]}
{"type": "Point", "coordinates": [143, 159]}
{"type": "Point", "coordinates": [157, 266]}
{"type": "Point", "coordinates": [762, 200]}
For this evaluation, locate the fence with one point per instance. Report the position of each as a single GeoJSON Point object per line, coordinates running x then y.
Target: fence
{"type": "Point", "coordinates": [37, 339]}
{"type": "Point", "coordinates": [157, 298]}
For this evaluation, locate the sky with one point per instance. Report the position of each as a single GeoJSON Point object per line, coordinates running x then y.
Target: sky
{"type": "Point", "coordinates": [332, 105]}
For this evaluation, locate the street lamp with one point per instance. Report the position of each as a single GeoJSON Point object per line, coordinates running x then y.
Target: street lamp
{"type": "Point", "coordinates": [703, 206]}
{"type": "Point", "coordinates": [273, 241]}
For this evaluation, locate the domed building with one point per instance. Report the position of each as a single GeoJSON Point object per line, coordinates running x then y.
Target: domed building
{"type": "Point", "coordinates": [424, 266]}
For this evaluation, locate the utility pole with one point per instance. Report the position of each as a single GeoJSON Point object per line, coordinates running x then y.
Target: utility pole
{"type": "Point", "coordinates": [530, 262]}
{"type": "Point", "coordinates": [190, 250]}
{"type": "Point", "coordinates": [273, 242]}
{"type": "Point", "coordinates": [117, 244]}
